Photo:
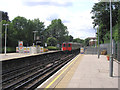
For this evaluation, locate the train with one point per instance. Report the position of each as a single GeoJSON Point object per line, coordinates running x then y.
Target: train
{"type": "Point", "coordinates": [70, 46]}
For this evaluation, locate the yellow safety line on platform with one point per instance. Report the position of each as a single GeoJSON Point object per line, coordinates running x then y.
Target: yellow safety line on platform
{"type": "Point", "coordinates": [61, 73]}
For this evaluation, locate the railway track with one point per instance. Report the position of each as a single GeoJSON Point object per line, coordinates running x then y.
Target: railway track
{"type": "Point", "coordinates": [24, 70]}
{"type": "Point", "coordinates": [33, 75]}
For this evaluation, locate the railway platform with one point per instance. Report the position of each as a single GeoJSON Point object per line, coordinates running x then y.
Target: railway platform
{"type": "Point", "coordinates": [84, 71]}
{"type": "Point", "coordinates": [9, 56]}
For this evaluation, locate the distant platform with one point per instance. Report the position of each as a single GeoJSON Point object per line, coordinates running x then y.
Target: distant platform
{"type": "Point", "coordinates": [9, 56]}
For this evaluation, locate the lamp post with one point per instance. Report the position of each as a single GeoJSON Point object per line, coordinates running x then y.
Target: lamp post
{"type": "Point", "coordinates": [111, 51]}
{"type": "Point", "coordinates": [5, 36]}
{"type": "Point", "coordinates": [34, 35]}
{"type": "Point", "coordinates": [98, 45]}
{"type": "Point", "coordinates": [95, 39]}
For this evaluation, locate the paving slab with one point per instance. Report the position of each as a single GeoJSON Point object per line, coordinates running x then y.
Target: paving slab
{"type": "Point", "coordinates": [94, 73]}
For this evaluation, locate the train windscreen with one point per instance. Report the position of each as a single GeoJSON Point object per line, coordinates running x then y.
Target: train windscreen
{"type": "Point", "coordinates": [69, 45]}
{"type": "Point", "coordinates": [64, 45]}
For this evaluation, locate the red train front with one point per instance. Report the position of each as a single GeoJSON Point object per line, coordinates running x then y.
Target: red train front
{"type": "Point", "coordinates": [66, 47]}
{"type": "Point", "coordinates": [70, 46]}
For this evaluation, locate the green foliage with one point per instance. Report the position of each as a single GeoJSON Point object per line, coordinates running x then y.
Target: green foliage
{"type": "Point", "coordinates": [21, 29]}
{"type": "Point", "coordinates": [9, 49]}
{"type": "Point", "coordinates": [18, 30]}
{"type": "Point", "coordinates": [40, 27]}
{"type": "Point", "coordinates": [86, 42]}
{"type": "Point", "coordinates": [51, 41]}
{"type": "Point", "coordinates": [52, 48]}
{"type": "Point", "coordinates": [68, 38]}
{"type": "Point", "coordinates": [101, 17]}
{"type": "Point", "coordinates": [57, 30]}
{"type": "Point", "coordinates": [5, 16]}
{"type": "Point", "coordinates": [101, 13]}
{"type": "Point", "coordinates": [107, 37]}
{"type": "Point", "coordinates": [103, 34]}
{"type": "Point", "coordinates": [115, 32]}
{"type": "Point", "coordinates": [78, 40]}
{"type": "Point", "coordinates": [119, 25]}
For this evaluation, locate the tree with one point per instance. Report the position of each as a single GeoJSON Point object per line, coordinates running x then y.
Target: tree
{"type": "Point", "coordinates": [101, 17]}
{"type": "Point", "coordinates": [70, 38]}
{"type": "Point", "coordinates": [86, 42]}
{"type": "Point", "coordinates": [21, 29]}
{"type": "Point", "coordinates": [40, 27]}
{"type": "Point", "coordinates": [102, 34]}
{"type": "Point", "coordinates": [18, 31]}
{"type": "Point", "coordinates": [57, 30]}
{"type": "Point", "coordinates": [78, 40]}
{"type": "Point", "coordinates": [101, 13]}
{"type": "Point", "coordinates": [51, 41]}
{"type": "Point", "coordinates": [119, 26]}
{"type": "Point", "coordinates": [4, 20]}
{"type": "Point", "coordinates": [115, 33]}
{"type": "Point", "coordinates": [29, 34]}
{"type": "Point", "coordinates": [5, 16]}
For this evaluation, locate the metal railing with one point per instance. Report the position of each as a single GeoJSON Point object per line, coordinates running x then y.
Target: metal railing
{"type": "Point", "coordinates": [116, 50]}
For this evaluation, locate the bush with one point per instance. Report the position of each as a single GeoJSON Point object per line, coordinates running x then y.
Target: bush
{"type": "Point", "coordinates": [52, 48]}
{"type": "Point", "coordinates": [52, 41]}
{"type": "Point", "coordinates": [9, 50]}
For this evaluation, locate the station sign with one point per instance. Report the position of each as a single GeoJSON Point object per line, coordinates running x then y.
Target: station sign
{"type": "Point", "coordinates": [20, 44]}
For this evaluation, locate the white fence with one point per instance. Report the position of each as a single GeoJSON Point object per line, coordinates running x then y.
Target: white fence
{"type": "Point", "coordinates": [32, 50]}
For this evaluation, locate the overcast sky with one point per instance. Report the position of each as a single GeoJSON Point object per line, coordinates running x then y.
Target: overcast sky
{"type": "Point", "coordinates": [75, 14]}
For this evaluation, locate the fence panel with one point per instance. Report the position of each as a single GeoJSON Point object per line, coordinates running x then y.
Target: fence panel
{"type": "Point", "coordinates": [91, 50]}
{"type": "Point", "coordinates": [106, 47]}
{"type": "Point", "coordinates": [118, 51]}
